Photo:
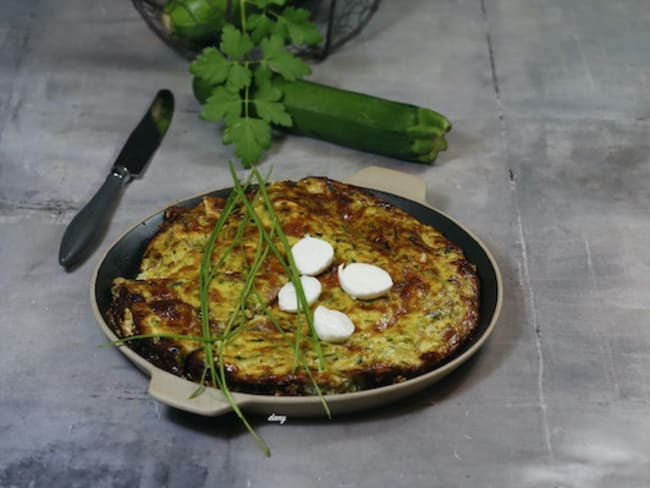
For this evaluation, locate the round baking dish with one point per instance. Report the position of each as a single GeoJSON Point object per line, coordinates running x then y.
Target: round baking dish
{"type": "Point", "coordinates": [404, 191]}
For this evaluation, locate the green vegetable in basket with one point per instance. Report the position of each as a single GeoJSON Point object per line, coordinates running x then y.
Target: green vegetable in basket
{"type": "Point", "coordinates": [198, 22]}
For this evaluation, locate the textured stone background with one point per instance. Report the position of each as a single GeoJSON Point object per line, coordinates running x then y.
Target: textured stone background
{"type": "Point", "coordinates": [548, 164]}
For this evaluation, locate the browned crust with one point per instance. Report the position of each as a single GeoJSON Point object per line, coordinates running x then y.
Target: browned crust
{"type": "Point", "coordinates": [185, 358]}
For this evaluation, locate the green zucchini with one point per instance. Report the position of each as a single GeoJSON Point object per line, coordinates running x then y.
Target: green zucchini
{"type": "Point", "coordinates": [367, 123]}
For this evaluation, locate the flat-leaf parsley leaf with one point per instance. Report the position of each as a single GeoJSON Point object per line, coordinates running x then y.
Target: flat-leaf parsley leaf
{"type": "Point", "coordinates": [222, 105]}
{"type": "Point", "coordinates": [251, 137]}
{"type": "Point", "coordinates": [248, 104]}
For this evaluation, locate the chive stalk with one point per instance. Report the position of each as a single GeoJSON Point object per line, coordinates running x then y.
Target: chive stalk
{"type": "Point", "coordinates": [205, 277]}
{"type": "Point", "coordinates": [304, 364]}
{"type": "Point", "coordinates": [295, 275]}
{"type": "Point", "coordinates": [216, 368]}
{"type": "Point", "coordinates": [289, 268]}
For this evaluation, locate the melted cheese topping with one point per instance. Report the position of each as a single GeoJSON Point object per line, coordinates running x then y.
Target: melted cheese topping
{"type": "Point", "coordinates": [421, 321]}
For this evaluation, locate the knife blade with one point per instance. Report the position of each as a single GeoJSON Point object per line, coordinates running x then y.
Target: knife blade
{"type": "Point", "coordinates": [88, 227]}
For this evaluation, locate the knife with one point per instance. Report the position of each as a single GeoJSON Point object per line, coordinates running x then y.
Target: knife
{"type": "Point", "coordinates": [87, 228]}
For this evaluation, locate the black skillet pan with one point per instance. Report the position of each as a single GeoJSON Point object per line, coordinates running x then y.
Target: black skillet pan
{"type": "Point", "coordinates": [404, 191]}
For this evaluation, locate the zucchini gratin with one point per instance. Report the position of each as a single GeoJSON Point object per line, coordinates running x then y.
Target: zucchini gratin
{"type": "Point", "coordinates": [421, 322]}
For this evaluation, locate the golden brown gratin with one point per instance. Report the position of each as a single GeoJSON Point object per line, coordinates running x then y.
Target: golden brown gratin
{"type": "Point", "coordinates": [430, 312]}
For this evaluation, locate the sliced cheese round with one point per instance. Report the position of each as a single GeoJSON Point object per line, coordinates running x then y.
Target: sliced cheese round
{"type": "Point", "coordinates": [312, 255]}
{"type": "Point", "coordinates": [332, 325]}
{"type": "Point", "coordinates": [288, 298]}
{"type": "Point", "coordinates": [364, 281]}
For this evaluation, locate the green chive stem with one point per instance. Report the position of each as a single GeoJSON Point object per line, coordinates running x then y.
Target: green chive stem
{"type": "Point", "coordinates": [295, 275]}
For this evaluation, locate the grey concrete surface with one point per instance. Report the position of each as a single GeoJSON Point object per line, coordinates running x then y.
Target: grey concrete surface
{"type": "Point", "coordinates": [548, 164]}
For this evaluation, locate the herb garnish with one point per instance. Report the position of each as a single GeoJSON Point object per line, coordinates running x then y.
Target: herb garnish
{"type": "Point", "coordinates": [215, 341]}
{"type": "Point", "coordinates": [266, 244]}
{"type": "Point", "coordinates": [243, 69]}
{"type": "Point", "coordinates": [289, 266]}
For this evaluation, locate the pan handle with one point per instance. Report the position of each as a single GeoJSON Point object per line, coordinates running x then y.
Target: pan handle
{"type": "Point", "coordinates": [391, 181]}
{"type": "Point", "coordinates": [178, 393]}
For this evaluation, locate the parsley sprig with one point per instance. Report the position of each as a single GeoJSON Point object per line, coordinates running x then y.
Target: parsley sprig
{"type": "Point", "coordinates": [243, 70]}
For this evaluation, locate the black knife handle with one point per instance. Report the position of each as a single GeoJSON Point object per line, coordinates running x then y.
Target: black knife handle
{"type": "Point", "coordinates": [87, 228]}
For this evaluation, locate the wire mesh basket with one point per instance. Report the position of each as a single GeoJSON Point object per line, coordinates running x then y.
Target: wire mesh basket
{"type": "Point", "coordinates": [338, 21]}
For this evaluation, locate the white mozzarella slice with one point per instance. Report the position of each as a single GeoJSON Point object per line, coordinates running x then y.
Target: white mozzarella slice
{"type": "Point", "coordinates": [288, 298]}
{"type": "Point", "coordinates": [312, 255]}
{"type": "Point", "coordinates": [364, 281]}
{"type": "Point", "coordinates": [332, 325]}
